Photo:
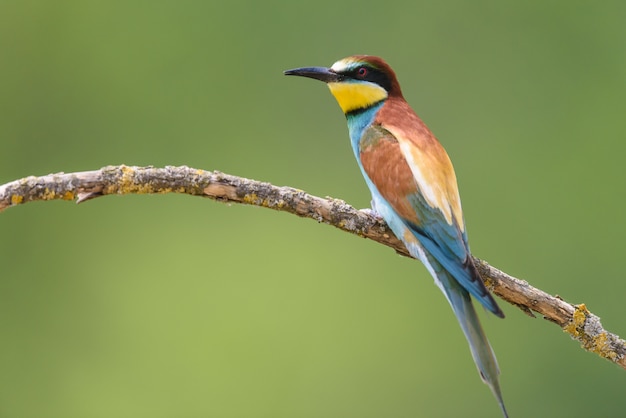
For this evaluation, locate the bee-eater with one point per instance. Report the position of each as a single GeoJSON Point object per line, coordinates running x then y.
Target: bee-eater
{"type": "Point", "coordinates": [413, 188]}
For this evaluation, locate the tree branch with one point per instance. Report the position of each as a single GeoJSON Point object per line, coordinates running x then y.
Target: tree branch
{"type": "Point", "coordinates": [576, 320]}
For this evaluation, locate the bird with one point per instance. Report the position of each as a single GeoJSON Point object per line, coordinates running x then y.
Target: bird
{"type": "Point", "coordinates": [414, 189]}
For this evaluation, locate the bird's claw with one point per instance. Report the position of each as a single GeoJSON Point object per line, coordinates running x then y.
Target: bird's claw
{"type": "Point", "coordinates": [373, 214]}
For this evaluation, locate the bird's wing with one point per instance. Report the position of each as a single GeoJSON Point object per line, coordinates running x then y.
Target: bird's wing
{"type": "Point", "coordinates": [417, 179]}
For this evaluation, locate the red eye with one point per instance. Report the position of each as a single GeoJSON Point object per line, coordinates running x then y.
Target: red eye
{"type": "Point", "coordinates": [361, 72]}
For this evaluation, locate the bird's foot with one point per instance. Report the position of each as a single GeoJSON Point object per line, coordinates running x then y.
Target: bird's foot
{"type": "Point", "coordinates": [373, 213]}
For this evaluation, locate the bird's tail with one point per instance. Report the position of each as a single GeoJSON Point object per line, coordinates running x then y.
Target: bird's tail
{"type": "Point", "coordinates": [465, 313]}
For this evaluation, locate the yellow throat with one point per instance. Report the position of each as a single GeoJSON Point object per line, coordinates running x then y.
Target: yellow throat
{"type": "Point", "coordinates": [353, 96]}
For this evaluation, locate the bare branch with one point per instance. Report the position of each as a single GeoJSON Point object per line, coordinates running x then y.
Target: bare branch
{"type": "Point", "coordinates": [576, 320]}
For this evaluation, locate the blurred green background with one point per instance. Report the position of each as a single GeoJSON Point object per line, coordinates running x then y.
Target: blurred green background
{"type": "Point", "coordinates": [162, 306]}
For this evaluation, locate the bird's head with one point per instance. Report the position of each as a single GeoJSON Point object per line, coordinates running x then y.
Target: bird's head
{"type": "Point", "coordinates": [358, 82]}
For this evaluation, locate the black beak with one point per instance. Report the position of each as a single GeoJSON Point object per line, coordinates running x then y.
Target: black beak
{"type": "Point", "coordinates": [319, 73]}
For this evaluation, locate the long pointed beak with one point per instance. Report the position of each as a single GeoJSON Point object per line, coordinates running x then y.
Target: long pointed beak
{"type": "Point", "coordinates": [318, 73]}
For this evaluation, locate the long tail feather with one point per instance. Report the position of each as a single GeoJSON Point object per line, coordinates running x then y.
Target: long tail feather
{"type": "Point", "coordinates": [463, 308]}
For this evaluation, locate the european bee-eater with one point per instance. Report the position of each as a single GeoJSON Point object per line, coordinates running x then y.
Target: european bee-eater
{"type": "Point", "coordinates": [413, 188]}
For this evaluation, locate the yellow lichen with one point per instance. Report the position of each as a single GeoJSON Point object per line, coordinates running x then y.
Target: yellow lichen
{"type": "Point", "coordinates": [251, 199]}
{"type": "Point", "coordinates": [48, 194]}
{"type": "Point", "coordinates": [488, 282]}
{"type": "Point", "coordinates": [602, 347]}
{"type": "Point", "coordinates": [598, 344]}
{"type": "Point", "coordinates": [16, 200]}
{"type": "Point", "coordinates": [576, 325]}
{"type": "Point", "coordinates": [570, 328]}
{"type": "Point", "coordinates": [127, 184]}
{"type": "Point", "coordinates": [580, 314]}
{"type": "Point", "coordinates": [68, 195]}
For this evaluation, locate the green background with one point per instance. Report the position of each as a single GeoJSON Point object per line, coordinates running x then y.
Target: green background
{"type": "Point", "coordinates": [174, 306]}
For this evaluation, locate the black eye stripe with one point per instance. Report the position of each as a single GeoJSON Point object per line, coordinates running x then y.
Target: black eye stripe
{"type": "Point", "coordinates": [372, 74]}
